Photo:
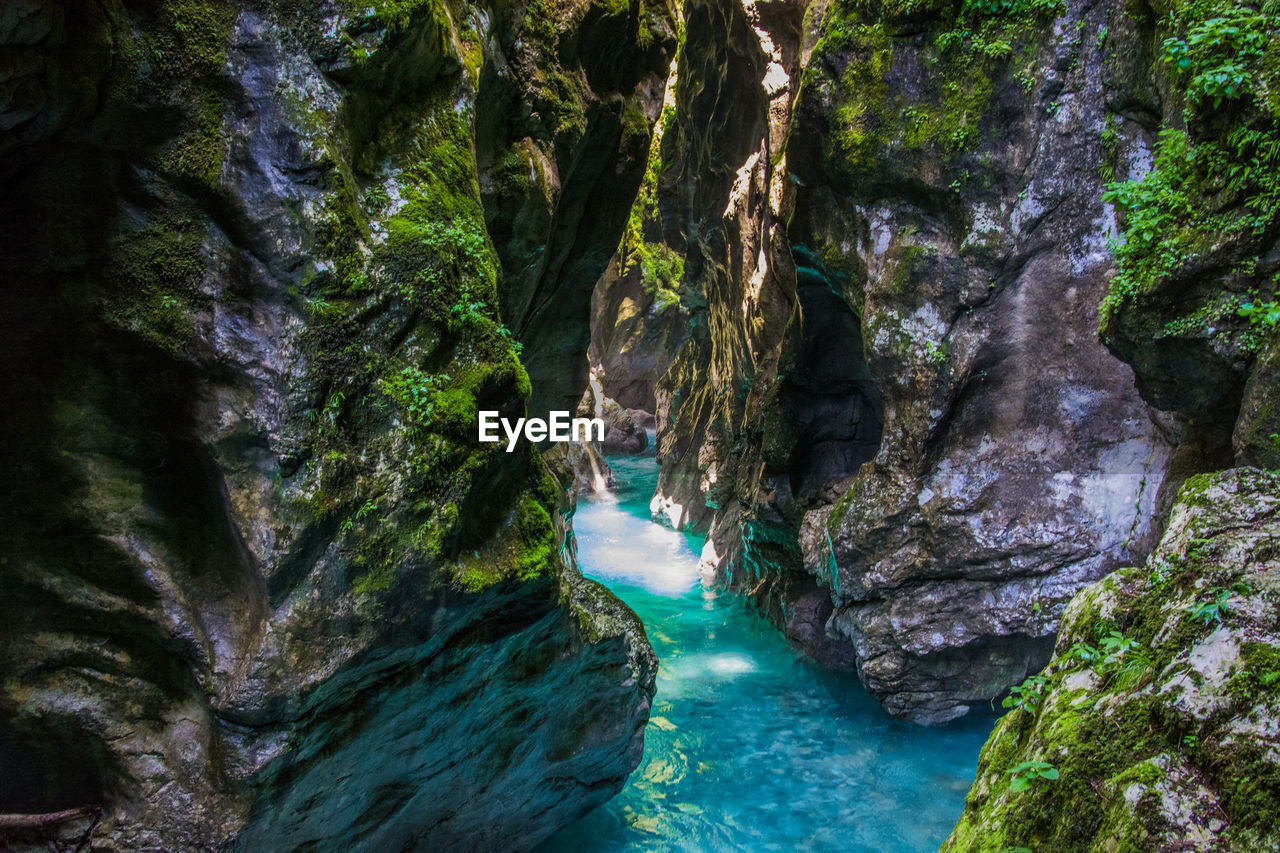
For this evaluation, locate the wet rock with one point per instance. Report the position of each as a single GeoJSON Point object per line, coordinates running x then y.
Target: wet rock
{"type": "Point", "coordinates": [622, 434]}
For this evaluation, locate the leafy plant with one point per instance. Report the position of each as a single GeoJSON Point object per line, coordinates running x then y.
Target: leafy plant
{"type": "Point", "coordinates": [1123, 658]}
{"type": "Point", "coordinates": [415, 392]}
{"type": "Point", "coordinates": [446, 253]}
{"type": "Point", "coordinates": [1012, 7]}
{"type": "Point", "coordinates": [469, 310]}
{"type": "Point", "coordinates": [1216, 174]}
{"type": "Point", "coordinates": [1027, 695]}
{"type": "Point", "coordinates": [1265, 314]}
{"type": "Point", "coordinates": [1031, 774]}
{"type": "Point", "coordinates": [333, 406]}
{"type": "Point", "coordinates": [368, 508]}
{"type": "Point", "coordinates": [1084, 652]}
{"type": "Point", "coordinates": [1211, 611]}
{"type": "Point", "coordinates": [1218, 53]}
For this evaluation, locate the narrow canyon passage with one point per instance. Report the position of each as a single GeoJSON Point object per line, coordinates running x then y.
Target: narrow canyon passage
{"type": "Point", "coordinates": [750, 745]}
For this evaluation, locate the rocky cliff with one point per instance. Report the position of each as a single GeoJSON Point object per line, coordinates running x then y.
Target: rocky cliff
{"type": "Point", "coordinates": [262, 263]}
{"type": "Point", "coordinates": [895, 414]}
{"type": "Point", "coordinates": [639, 314]}
{"type": "Point", "coordinates": [1154, 727]}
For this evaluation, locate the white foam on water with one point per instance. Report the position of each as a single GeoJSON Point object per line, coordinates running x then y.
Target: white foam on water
{"type": "Point", "coordinates": [621, 548]}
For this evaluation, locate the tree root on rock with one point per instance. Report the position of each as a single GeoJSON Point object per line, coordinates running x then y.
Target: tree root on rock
{"type": "Point", "coordinates": [36, 828]}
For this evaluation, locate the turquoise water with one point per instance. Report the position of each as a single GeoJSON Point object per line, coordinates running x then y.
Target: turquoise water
{"type": "Point", "coordinates": [750, 747]}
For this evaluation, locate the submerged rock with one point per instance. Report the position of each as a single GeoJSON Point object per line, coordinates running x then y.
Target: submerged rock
{"type": "Point", "coordinates": [1154, 726]}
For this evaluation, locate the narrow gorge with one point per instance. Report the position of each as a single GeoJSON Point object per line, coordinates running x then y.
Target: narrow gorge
{"type": "Point", "coordinates": [937, 351]}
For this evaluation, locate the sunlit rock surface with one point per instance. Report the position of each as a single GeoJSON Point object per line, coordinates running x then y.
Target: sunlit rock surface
{"type": "Point", "coordinates": [893, 414]}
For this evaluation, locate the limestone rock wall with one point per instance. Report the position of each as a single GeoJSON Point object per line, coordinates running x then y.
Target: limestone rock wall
{"type": "Point", "coordinates": [1155, 722]}
{"type": "Point", "coordinates": [893, 414]}
{"type": "Point", "coordinates": [262, 264]}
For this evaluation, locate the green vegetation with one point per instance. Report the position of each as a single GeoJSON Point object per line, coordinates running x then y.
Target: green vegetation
{"type": "Point", "coordinates": [1126, 660]}
{"type": "Point", "coordinates": [1118, 742]}
{"type": "Point", "coordinates": [661, 267]}
{"type": "Point", "coordinates": [1211, 611]}
{"type": "Point", "coordinates": [177, 56]}
{"type": "Point", "coordinates": [393, 14]}
{"type": "Point", "coordinates": [403, 346]}
{"type": "Point", "coordinates": [415, 392]}
{"type": "Point", "coordinates": [1264, 314]}
{"type": "Point", "coordinates": [975, 44]}
{"type": "Point", "coordinates": [1031, 774]}
{"type": "Point", "coordinates": [1027, 694]}
{"type": "Point", "coordinates": [1213, 193]}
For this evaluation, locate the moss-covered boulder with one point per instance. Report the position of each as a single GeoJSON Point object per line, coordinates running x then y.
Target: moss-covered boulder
{"type": "Point", "coordinates": [1157, 724]}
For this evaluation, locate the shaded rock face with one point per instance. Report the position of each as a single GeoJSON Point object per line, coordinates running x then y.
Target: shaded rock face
{"type": "Point", "coordinates": [1164, 739]}
{"type": "Point", "coordinates": [638, 316]}
{"type": "Point", "coordinates": [634, 335]}
{"type": "Point", "coordinates": [261, 582]}
{"type": "Point", "coordinates": [622, 433]}
{"type": "Point", "coordinates": [726, 187]}
{"type": "Point", "coordinates": [900, 398]}
{"type": "Point", "coordinates": [600, 85]}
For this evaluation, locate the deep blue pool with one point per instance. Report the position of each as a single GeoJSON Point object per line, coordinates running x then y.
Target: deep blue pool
{"type": "Point", "coordinates": [750, 746]}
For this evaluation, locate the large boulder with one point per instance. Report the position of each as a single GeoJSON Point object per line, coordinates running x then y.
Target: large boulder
{"type": "Point", "coordinates": [622, 432]}
{"type": "Point", "coordinates": [1156, 726]}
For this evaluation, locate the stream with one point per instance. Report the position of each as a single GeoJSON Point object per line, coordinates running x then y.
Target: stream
{"type": "Point", "coordinates": [750, 746]}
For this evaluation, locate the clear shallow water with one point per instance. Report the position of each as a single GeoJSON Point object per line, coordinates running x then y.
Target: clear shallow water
{"type": "Point", "coordinates": [749, 746]}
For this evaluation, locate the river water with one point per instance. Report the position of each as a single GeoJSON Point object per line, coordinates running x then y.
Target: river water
{"type": "Point", "coordinates": [750, 746]}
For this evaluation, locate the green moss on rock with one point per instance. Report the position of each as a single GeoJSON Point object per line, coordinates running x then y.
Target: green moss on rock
{"type": "Point", "coordinates": [1152, 720]}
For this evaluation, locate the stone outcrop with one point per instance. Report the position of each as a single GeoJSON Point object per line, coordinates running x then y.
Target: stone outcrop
{"type": "Point", "coordinates": [637, 326]}
{"type": "Point", "coordinates": [262, 265]}
{"type": "Point", "coordinates": [622, 432]}
{"type": "Point", "coordinates": [639, 317]}
{"type": "Point", "coordinates": [893, 413]}
{"type": "Point", "coordinates": [1155, 723]}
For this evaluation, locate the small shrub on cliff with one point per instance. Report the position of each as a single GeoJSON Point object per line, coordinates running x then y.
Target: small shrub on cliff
{"type": "Point", "coordinates": [1084, 653]}
{"type": "Point", "coordinates": [1026, 695]}
{"type": "Point", "coordinates": [1265, 314]}
{"type": "Point", "coordinates": [414, 392]}
{"type": "Point", "coordinates": [1219, 54]}
{"type": "Point", "coordinates": [1031, 774]}
{"type": "Point", "coordinates": [1125, 659]}
{"type": "Point", "coordinates": [1211, 611]}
